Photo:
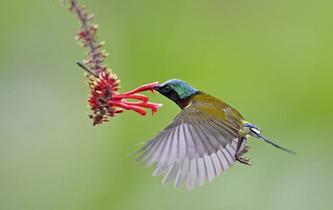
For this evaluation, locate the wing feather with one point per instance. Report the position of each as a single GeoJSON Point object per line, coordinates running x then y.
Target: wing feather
{"type": "Point", "coordinates": [192, 176]}
{"type": "Point", "coordinates": [194, 148]}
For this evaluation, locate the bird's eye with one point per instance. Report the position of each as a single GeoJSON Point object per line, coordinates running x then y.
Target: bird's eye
{"type": "Point", "coordinates": [167, 88]}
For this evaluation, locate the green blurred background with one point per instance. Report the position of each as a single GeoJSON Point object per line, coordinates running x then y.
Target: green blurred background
{"type": "Point", "coordinates": [272, 60]}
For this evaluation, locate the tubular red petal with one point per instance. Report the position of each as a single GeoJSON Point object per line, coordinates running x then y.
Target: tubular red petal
{"type": "Point", "coordinates": [149, 86]}
{"type": "Point", "coordinates": [128, 96]}
{"type": "Point", "coordinates": [127, 106]}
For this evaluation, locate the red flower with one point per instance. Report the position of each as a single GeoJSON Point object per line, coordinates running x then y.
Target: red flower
{"type": "Point", "coordinates": [106, 102]}
{"type": "Point", "coordinates": [104, 99]}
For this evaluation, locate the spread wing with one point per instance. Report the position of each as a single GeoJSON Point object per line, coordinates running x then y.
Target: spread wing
{"type": "Point", "coordinates": [196, 146]}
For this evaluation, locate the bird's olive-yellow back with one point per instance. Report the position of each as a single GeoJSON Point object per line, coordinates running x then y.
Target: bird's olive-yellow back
{"type": "Point", "coordinates": [217, 109]}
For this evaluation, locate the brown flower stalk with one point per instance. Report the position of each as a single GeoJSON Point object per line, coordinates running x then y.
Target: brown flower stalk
{"type": "Point", "coordinates": [104, 99]}
{"type": "Point", "coordinates": [87, 38]}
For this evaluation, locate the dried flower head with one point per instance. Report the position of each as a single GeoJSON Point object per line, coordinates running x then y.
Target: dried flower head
{"type": "Point", "coordinates": [105, 101]}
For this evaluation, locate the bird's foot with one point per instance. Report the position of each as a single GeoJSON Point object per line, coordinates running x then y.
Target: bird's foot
{"type": "Point", "coordinates": [243, 160]}
{"type": "Point", "coordinates": [239, 158]}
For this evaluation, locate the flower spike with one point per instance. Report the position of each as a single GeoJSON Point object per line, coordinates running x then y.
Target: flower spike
{"type": "Point", "coordinates": [104, 99]}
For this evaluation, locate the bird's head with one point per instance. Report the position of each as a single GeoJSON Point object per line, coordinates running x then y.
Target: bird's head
{"type": "Point", "coordinates": [176, 90]}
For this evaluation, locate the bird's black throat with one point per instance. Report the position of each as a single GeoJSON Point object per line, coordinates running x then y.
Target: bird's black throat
{"type": "Point", "coordinates": [173, 95]}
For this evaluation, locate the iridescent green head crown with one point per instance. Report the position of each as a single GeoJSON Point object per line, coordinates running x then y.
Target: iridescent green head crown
{"type": "Point", "coordinates": [183, 89]}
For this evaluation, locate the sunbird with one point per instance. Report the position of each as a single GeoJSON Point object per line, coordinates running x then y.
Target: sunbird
{"type": "Point", "coordinates": [204, 139]}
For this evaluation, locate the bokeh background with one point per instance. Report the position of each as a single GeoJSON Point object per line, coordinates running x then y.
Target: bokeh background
{"type": "Point", "coordinates": [272, 60]}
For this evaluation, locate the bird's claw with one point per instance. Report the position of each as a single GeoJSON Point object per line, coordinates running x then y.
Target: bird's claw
{"type": "Point", "coordinates": [245, 161]}
{"type": "Point", "coordinates": [239, 158]}
{"type": "Point", "coordinates": [245, 150]}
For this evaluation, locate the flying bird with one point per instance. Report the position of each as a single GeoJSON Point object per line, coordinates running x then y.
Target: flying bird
{"type": "Point", "coordinates": [204, 139]}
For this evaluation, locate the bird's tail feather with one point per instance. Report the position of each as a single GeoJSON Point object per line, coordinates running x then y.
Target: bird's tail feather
{"type": "Point", "coordinates": [254, 131]}
{"type": "Point", "coordinates": [275, 145]}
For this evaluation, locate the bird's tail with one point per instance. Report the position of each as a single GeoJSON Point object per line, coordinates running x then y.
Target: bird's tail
{"type": "Point", "coordinates": [254, 131]}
